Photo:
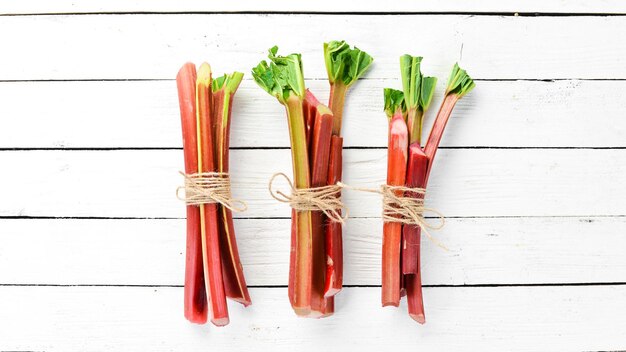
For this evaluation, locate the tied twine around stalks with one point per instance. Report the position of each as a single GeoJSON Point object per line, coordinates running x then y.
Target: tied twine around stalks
{"type": "Point", "coordinates": [209, 188]}
{"type": "Point", "coordinates": [401, 204]}
{"type": "Point", "coordinates": [324, 199]}
{"type": "Point", "coordinates": [405, 205]}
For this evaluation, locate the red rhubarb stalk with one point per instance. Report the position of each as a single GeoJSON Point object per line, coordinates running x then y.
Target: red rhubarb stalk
{"type": "Point", "coordinates": [396, 173]}
{"type": "Point", "coordinates": [195, 299]}
{"type": "Point", "coordinates": [318, 155]}
{"type": "Point", "coordinates": [344, 66]}
{"type": "Point", "coordinates": [416, 178]}
{"type": "Point", "coordinates": [334, 242]}
{"type": "Point", "coordinates": [459, 84]}
{"type": "Point", "coordinates": [224, 89]}
{"type": "Point", "coordinates": [208, 212]}
{"type": "Point", "coordinates": [283, 78]}
{"type": "Point", "coordinates": [418, 93]}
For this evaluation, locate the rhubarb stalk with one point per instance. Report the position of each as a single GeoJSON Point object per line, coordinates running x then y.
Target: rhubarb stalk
{"type": "Point", "coordinates": [344, 66]}
{"type": "Point", "coordinates": [208, 212]}
{"type": "Point", "coordinates": [416, 178]}
{"type": "Point", "coordinates": [195, 299]}
{"type": "Point", "coordinates": [420, 164]}
{"type": "Point", "coordinates": [283, 78]}
{"type": "Point", "coordinates": [318, 155]}
{"type": "Point", "coordinates": [459, 84]}
{"type": "Point", "coordinates": [224, 89]}
{"type": "Point", "coordinates": [396, 173]}
{"type": "Point", "coordinates": [418, 93]}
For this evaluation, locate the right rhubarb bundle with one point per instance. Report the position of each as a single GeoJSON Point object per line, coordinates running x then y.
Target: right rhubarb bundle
{"type": "Point", "coordinates": [408, 168]}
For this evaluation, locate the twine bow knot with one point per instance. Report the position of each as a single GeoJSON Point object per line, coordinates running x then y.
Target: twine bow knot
{"type": "Point", "coordinates": [325, 199]}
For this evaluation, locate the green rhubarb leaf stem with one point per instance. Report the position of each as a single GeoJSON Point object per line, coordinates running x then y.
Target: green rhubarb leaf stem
{"type": "Point", "coordinates": [283, 78]}
{"type": "Point", "coordinates": [418, 93]}
{"type": "Point", "coordinates": [344, 65]}
{"type": "Point", "coordinates": [297, 134]}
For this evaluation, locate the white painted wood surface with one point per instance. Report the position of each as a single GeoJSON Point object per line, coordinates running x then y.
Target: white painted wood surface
{"type": "Point", "coordinates": [485, 318]}
{"type": "Point", "coordinates": [465, 182]}
{"type": "Point", "coordinates": [499, 114]}
{"type": "Point", "coordinates": [511, 251]}
{"type": "Point", "coordinates": [531, 175]}
{"type": "Point", "coordinates": [153, 46]}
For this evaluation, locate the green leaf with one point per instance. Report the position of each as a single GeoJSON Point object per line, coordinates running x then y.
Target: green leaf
{"type": "Point", "coordinates": [411, 79]}
{"type": "Point", "coordinates": [394, 100]}
{"type": "Point", "coordinates": [344, 64]}
{"type": "Point", "coordinates": [427, 91]}
{"type": "Point", "coordinates": [282, 76]}
{"type": "Point", "coordinates": [460, 82]}
{"type": "Point", "coordinates": [228, 81]}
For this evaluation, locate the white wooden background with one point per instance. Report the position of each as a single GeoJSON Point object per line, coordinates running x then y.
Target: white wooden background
{"type": "Point", "coordinates": [531, 174]}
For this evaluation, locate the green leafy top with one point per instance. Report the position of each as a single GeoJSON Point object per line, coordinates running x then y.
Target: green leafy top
{"type": "Point", "coordinates": [344, 64]}
{"type": "Point", "coordinates": [282, 77]}
{"type": "Point", "coordinates": [460, 82]}
{"type": "Point", "coordinates": [230, 82]}
{"type": "Point", "coordinates": [394, 100]}
{"type": "Point", "coordinates": [418, 90]}
{"type": "Point", "coordinates": [427, 91]}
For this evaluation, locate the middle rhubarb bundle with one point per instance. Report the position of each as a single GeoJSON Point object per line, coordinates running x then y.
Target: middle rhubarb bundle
{"type": "Point", "coordinates": [316, 256]}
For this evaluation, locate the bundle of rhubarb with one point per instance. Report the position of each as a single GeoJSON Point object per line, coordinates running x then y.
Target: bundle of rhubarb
{"type": "Point", "coordinates": [408, 168]}
{"type": "Point", "coordinates": [316, 258]}
{"type": "Point", "coordinates": [213, 271]}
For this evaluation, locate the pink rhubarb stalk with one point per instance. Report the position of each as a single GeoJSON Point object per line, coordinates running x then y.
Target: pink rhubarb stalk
{"type": "Point", "coordinates": [344, 65]}
{"type": "Point", "coordinates": [318, 155]}
{"type": "Point", "coordinates": [224, 89]}
{"type": "Point", "coordinates": [195, 299]}
{"type": "Point", "coordinates": [209, 228]}
{"type": "Point", "coordinates": [396, 174]}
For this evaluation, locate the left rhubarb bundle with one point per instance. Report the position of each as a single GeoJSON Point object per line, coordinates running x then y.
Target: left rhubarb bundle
{"type": "Point", "coordinates": [213, 270]}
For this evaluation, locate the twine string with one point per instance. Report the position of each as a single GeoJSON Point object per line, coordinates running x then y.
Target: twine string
{"type": "Point", "coordinates": [405, 205]}
{"type": "Point", "coordinates": [325, 199]}
{"type": "Point", "coordinates": [209, 188]}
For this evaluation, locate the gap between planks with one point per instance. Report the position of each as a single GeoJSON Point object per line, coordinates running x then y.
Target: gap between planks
{"type": "Point", "coordinates": [569, 284]}
{"type": "Point", "coordinates": [24, 217]}
{"type": "Point", "coordinates": [99, 149]}
{"type": "Point", "coordinates": [326, 13]}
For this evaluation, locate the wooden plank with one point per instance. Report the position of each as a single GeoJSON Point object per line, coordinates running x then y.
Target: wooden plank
{"type": "Point", "coordinates": [145, 114]}
{"type": "Point", "coordinates": [465, 182]}
{"type": "Point", "coordinates": [151, 252]}
{"type": "Point", "coordinates": [154, 46]}
{"type": "Point", "coordinates": [487, 319]}
{"type": "Point", "coordinates": [326, 6]}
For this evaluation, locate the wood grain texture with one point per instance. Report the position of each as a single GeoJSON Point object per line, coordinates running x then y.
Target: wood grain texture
{"type": "Point", "coordinates": [326, 6]}
{"type": "Point", "coordinates": [151, 251]}
{"type": "Point", "coordinates": [487, 319]}
{"type": "Point", "coordinates": [154, 46]}
{"type": "Point", "coordinates": [141, 114]}
{"type": "Point", "coordinates": [466, 182]}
